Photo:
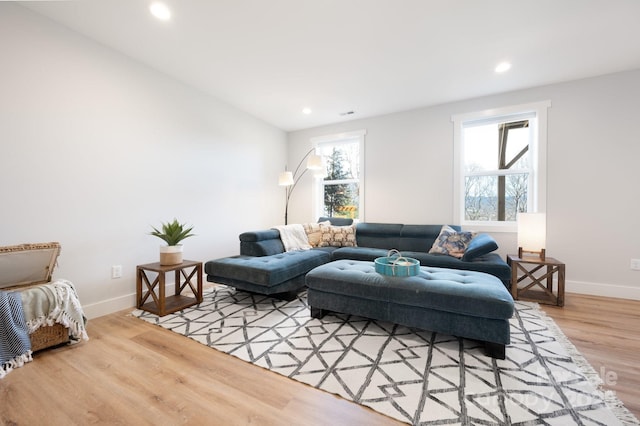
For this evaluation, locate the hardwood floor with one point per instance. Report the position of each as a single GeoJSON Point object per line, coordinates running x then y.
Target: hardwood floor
{"type": "Point", "coordinates": [132, 372]}
{"type": "Point", "coordinates": [607, 332]}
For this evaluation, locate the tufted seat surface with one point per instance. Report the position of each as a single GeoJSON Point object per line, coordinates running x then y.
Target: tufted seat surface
{"type": "Point", "coordinates": [266, 274]}
{"type": "Point", "coordinates": [468, 304]}
{"type": "Point", "coordinates": [457, 291]}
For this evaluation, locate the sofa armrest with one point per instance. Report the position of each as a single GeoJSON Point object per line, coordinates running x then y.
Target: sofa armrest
{"type": "Point", "coordinates": [261, 243]}
{"type": "Point", "coordinates": [253, 236]}
{"type": "Point", "coordinates": [480, 245]}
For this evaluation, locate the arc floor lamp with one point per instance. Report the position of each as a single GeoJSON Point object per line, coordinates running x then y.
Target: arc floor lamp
{"type": "Point", "coordinates": [290, 179]}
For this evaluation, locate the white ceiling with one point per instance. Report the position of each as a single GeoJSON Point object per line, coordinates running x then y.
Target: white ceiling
{"type": "Point", "coordinates": [271, 58]}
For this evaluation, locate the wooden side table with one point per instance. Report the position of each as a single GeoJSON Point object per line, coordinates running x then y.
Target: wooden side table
{"type": "Point", "coordinates": [530, 272]}
{"type": "Point", "coordinates": [161, 304]}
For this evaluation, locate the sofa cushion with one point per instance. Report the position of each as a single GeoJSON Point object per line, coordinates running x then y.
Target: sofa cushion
{"type": "Point", "coordinates": [378, 235]}
{"type": "Point", "coordinates": [451, 242]}
{"type": "Point", "coordinates": [418, 237]}
{"type": "Point", "coordinates": [267, 270]}
{"type": "Point", "coordinates": [359, 253]}
{"type": "Point", "coordinates": [398, 236]}
{"type": "Point", "coordinates": [490, 263]}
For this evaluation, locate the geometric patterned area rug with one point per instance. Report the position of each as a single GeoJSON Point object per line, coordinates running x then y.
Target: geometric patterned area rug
{"type": "Point", "coordinates": [415, 376]}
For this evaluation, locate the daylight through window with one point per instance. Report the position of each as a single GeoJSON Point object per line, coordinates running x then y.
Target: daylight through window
{"type": "Point", "coordinates": [496, 170]}
{"type": "Point", "coordinates": [500, 167]}
{"type": "Point", "coordinates": [339, 192]}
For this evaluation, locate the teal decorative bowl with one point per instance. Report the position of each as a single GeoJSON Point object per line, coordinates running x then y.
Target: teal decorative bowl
{"type": "Point", "coordinates": [397, 266]}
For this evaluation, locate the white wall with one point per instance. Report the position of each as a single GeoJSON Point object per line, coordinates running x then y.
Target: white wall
{"type": "Point", "coordinates": [95, 148]}
{"type": "Point", "coordinates": [593, 198]}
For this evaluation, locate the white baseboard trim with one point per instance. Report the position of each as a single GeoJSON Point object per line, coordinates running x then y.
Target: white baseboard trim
{"type": "Point", "coordinates": [116, 304]}
{"type": "Point", "coordinates": [109, 306]}
{"type": "Point", "coordinates": [605, 290]}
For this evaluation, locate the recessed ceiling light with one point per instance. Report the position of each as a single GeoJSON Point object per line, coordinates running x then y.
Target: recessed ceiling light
{"type": "Point", "coordinates": [306, 110]}
{"type": "Point", "coordinates": [160, 11]}
{"type": "Point", "coordinates": [503, 67]}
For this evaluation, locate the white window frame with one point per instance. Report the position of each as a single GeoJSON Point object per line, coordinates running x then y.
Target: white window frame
{"type": "Point", "coordinates": [537, 201]}
{"type": "Point", "coordinates": [336, 139]}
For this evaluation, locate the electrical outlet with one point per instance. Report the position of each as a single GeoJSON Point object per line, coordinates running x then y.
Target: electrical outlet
{"type": "Point", "coordinates": [635, 264]}
{"type": "Point", "coordinates": [116, 271]}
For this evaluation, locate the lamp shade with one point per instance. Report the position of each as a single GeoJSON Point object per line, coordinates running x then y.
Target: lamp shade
{"type": "Point", "coordinates": [532, 231]}
{"type": "Point", "coordinates": [314, 162]}
{"type": "Point", "coordinates": [285, 179]}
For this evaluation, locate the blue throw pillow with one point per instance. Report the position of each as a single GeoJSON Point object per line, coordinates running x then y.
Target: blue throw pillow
{"type": "Point", "coordinates": [451, 242]}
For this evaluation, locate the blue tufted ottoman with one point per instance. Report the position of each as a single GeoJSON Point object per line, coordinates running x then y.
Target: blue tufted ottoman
{"type": "Point", "coordinates": [279, 274]}
{"type": "Point", "coordinates": [467, 304]}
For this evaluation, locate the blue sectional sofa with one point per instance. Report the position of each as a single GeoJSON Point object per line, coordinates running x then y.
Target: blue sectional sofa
{"type": "Point", "coordinates": [264, 267]}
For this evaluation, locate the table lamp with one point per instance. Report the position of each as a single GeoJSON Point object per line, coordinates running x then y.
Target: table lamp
{"type": "Point", "coordinates": [532, 233]}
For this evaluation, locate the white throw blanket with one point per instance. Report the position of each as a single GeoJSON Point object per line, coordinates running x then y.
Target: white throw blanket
{"type": "Point", "coordinates": [54, 303]}
{"type": "Point", "coordinates": [293, 237]}
{"type": "Point", "coordinates": [41, 305]}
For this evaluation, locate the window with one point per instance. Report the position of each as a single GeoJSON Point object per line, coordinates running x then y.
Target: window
{"type": "Point", "coordinates": [500, 167]}
{"type": "Point", "coordinates": [340, 191]}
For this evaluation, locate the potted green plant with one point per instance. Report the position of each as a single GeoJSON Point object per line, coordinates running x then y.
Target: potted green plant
{"type": "Point", "coordinates": [172, 233]}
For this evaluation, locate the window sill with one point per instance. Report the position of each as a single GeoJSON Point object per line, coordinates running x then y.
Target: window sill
{"type": "Point", "coordinates": [511, 227]}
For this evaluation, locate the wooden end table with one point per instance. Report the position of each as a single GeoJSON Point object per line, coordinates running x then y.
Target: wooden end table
{"type": "Point", "coordinates": [531, 271]}
{"type": "Point", "coordinates": [160, 304]}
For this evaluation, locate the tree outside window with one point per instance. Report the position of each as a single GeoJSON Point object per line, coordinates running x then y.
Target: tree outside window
{"type": "Point", "coordinates": [497, 169]}
{"type": "Point", "coordinates": [499, 165]}
{"type": "Point", "coordinates": [340, 189]}
{"type": "Point", "coordinates": [340, 199]}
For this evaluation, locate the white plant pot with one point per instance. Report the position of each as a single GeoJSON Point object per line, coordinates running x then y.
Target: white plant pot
{"type": "Point", "coordinates": [171, 255]}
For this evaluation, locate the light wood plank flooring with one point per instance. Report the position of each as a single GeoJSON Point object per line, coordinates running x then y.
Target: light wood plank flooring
{"type": "Point", "coordinates": [132, 372]}
{"type": "Point", "coordinates": [607, 332]}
